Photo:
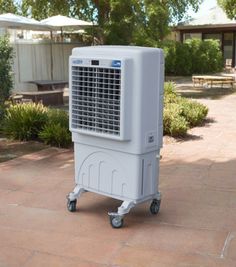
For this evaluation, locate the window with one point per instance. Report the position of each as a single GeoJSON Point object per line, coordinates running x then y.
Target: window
{"type": "Point", "coordinates": [228, 46]}
{"type": "Point", "coordinates": [188, 36]}
{"type": "Point", "coordinates": [214, 36]}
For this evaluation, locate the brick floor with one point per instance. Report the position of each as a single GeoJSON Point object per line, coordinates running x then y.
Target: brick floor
{"type": "Point", "coordinates": [196, 225]}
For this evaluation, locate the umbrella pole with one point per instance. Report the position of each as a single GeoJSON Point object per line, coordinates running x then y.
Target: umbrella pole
{"type": "Point", "coordinates": [61, 35]}
{"type": "Point", "coordinates": [51, 50]}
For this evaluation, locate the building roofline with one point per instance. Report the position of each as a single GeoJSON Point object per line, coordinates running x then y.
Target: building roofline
{"type": "Point", "coordinates": [209, 26]}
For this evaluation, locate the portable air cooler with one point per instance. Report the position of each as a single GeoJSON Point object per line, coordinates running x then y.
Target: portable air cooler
{"type": "Point", "coordinates": [116, 108]}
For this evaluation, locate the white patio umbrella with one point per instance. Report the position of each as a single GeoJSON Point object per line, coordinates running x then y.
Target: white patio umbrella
{"type": "Point", "coordinates": [13, 21]}
{"type": "Point", "coordinates": [60, 22]}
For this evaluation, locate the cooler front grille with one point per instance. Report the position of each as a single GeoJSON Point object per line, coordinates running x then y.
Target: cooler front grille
{"type": "Point", "coordinates": [96, 99]}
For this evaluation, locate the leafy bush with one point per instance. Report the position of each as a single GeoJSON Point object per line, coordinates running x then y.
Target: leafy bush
{"type": "Point", "coordinates": [6, 57]}
{"type": "Point", "coordinates": [183, 60]}
{"type": "Point", "coordinates": [180, 113]}
{"type": "Point", "coordinates": [29, 121]}
{"type": "Point", "coordinates": [2, 112]}
{"type": "Point", "coordinates": [169, 48]}
{"type": "Point", "coordinates": [193, 112]}
{"type": "Point", "coordinates": [193, 56]}
{"type": "Point", "coordinates": [206, 55]}
{"type": "Point", "coordinates": [174, 123]}
{"type": "Point", "coordinates": [56, 131]}
{"type": "Point", "coordinates": [24, 121]}
{"type": "Point", "coordinates": [170, 95]}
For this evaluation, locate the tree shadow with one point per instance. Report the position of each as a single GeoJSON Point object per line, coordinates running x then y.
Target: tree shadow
{"type": "Point", "coordinates": [207, 122]}
{"type": "Point", "coordinates": [189, 137]}
{"type": "Point", "coordinates": [192, 137]}
{"type": "Point", "coordinates": [13, 149]}
{"type": "Point", "coordinates": [213, 93]}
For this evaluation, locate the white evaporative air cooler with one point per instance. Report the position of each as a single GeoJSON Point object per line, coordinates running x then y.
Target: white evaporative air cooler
{"type": "Point", "coordinates": [116, 107]}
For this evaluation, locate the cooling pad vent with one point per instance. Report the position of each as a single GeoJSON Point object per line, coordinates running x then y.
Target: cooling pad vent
{"type": "Point", "coordinates": [96, 96]}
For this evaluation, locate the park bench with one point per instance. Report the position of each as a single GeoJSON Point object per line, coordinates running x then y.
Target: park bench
{"type": "Point", "coordinates": [48, 98]}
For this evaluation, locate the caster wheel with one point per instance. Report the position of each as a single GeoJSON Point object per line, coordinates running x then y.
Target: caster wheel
{"type": "Point", "coordinates": [116, 221]}
{"type": "Point", "coordinates": [71, 205]}
{"type": "Point", "coordinates": [155, 206]}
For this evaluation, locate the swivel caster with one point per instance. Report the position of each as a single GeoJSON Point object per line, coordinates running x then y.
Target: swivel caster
{"type": "Point", "coordinates": [116, 221]}
{"type": "Point", "coordinates": [71, 205]}
{"type": "Point", "coordinates": [155, 206]}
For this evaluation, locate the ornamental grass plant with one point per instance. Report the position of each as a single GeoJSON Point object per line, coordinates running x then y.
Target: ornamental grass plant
{"type": "Point", "coordinates": [180, 114]}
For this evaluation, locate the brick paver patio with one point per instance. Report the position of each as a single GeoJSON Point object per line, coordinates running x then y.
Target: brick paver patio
{"type": "Point", "coordinates": [196, 225]}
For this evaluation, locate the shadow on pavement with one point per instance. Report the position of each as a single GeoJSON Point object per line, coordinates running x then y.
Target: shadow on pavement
{"type": "Point", "coordinates": [214, 93]}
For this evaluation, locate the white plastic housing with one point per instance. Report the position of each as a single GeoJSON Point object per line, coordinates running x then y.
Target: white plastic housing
{"type": "Point", "coordinates": [142, 79]}
{"type": "Point", "coordinates": [116, 109]}
{"type": "Point", "coordinates": [120, 175]}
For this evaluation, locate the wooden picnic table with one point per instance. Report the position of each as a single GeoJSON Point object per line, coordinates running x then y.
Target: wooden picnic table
{"type": "Point", "coordinates": [48, 98]}
{"type": "Point", "coordinates": [47, 85]}
{"type": "Point", "coordinates": [211, 80]}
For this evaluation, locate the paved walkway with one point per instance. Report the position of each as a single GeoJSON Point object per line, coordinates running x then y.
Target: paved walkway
{"type": "Point", "coordinates": [196, 225]}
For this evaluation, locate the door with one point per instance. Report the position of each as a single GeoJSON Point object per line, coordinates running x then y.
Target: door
{"type": "Point", "coordinates": [228, 42]}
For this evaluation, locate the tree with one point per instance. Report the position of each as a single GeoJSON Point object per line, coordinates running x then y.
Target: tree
{"type": "Point", "coordinates": [229, 7]}
{"type": "Point", "coordinates": [6, 58]}
{"type": "Point", "coordinates": [143, 22]}
{"type": "Point", "coordinates": [117, 20]}
{"type": "Point", "coordinates": [153, 22]}
{"type": "Point", "coordinates": [41, 9]}
{"type": "Point", "coordinates": [7, 6]}
{"type": "Point", "coordinates": [156, 16]}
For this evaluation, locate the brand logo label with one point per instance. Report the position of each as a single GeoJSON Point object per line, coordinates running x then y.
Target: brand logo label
{"type": "Point", "coordinates": [116, 63]}
{"type": "Point", "coordinates": [77, 61]}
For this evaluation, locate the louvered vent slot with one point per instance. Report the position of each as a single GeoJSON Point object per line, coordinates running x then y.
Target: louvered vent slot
{"type": "Point", "coordinates": [96, 99]}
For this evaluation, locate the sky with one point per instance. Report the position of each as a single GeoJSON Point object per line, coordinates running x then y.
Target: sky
{"type": "Point", "coordinates": [206, 5]}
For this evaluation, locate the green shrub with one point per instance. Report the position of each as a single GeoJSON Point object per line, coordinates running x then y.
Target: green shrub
{"type": "Point", "coordinates": [193, 56]}
{"type": "Point", "coordinates": [169, 49]}
{"type": "Point", "coordinates": [58, 116]}
{"type": "Point", "coordinates": [183, 60]}
{"type": "Point", "coordinates": [170, 95]}
{"type": "Point", "coordinates": [193, 112]}
{"type": "Point", "coordinates": [6, 79]}
{"type": "Point", "coordinates": [2, 112]}
{"type": "Point", "coordinates": [174, 124]}
{"type": "Point", "coordinates": [180, 113]}
{"type": "Point", "coordinates": [31, 121]}
{"type": "Point", "coordinates": [56, 130]}
{"type": "Point", "coordinates": [24, 121]}
{"type": "Point", "coordinates": [55, 135]}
